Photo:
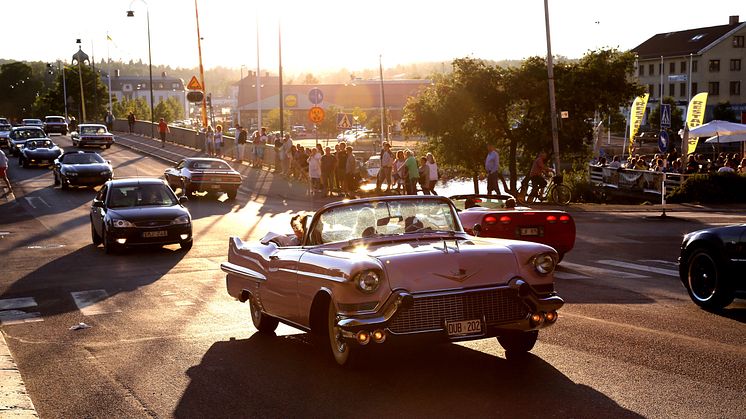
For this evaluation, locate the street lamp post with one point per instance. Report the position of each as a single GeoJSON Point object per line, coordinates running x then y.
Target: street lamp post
{"type": "Point", "coordinates": [64, 88]}
{"type": "Point", "coordinates": [131, 13]}
{"type": "Point", "coordinates": [80, 77]}
{"type": "Point", "coordinates": [384, 131]}
{"type": "Point", "coordinates": [238, 91]}
{"type": "Point", "coordinates": [552, 101]}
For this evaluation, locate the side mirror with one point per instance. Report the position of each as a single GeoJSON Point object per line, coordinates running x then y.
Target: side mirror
{"type": "Point", "coordinates": [183, 199]}
{"type": "Point", "coordinates": [97, 204]}
{"type": "Point", "coordinates": [476, 230]}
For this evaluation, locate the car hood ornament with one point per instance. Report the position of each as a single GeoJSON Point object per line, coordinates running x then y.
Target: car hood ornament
{"type": "Point", "coordinates": [459, 276]}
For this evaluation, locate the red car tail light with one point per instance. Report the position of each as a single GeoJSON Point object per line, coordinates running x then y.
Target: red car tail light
{"type": "Point", "coordinates": [564, 218]}
{"type": "Point", "coordinates": [551, 219]}
{"type": "Point", "coordinates": [490, 219]}
{"type": "Point", "coordinates": [505, 219]}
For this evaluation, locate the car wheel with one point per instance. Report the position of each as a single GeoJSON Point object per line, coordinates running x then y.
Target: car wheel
{"type": "Point", "coordinates": [56, 179]}
{"type": "Point", "coordinates": [23, 162]}
{"type": "Point", "coordinates": [186, 245]}
{"type": "Point", "coordinates": [64, 132]}
{"type": "Point", "coordinates": [95, 238]}
{"type": "Point", "coordinates": [232, 194]}
{"type": "Point", "coordinates": [109, 246]}
{"type": "Point", "coordinates": [264, 323]}
{"type": "Point", "coordinates": [108, 146]}
{"type": "Point", "coordinates": [341, 351]}
{"type": "Point", "coordinates": [517, 343]}
{"type": "Point", "coordinates": [705, 283]}
{"type": "Point", "coordinates": [63, 183]}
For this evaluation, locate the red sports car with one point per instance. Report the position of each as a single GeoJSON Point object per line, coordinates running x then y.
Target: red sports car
{"type": "Point", "coordinates": [498, 216]}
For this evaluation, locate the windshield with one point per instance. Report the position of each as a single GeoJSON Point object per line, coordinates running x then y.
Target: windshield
{"type": "Point", "coordinates": [82, 158]}
{"type": "Point", "coordinates": [32, 144]}
{"type": "Point", "coordinates": [141, 195]}
{"type": "Point", "coordinates": [495, 202]}
{"type": "Point", "coordinates": [56, 120]}
{"type": "Point", "coordinates": [208, 164]}
{"type": "Point", "coordinates": [93, 130]}
{"type": "Point", "coordinates": [25, 134]}
{"type": "Point", "coordinates": [382, 218]}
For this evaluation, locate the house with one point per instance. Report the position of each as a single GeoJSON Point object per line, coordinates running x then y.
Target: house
{"type": "Point", "coordinates": [684, 63]}
{"type": "Point", "coordinates": [164, 87]}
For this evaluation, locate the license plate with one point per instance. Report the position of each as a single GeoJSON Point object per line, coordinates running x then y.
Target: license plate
{"type": "Point", "coordinates": [155, 233]}
{"type": "Point", "coordinates": [464, 328]}
{"type": "Point", "coordinates": [529, 231]}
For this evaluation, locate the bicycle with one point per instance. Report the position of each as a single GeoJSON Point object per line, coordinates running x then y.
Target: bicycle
{"type": "Point", "coordinates": [555, 192]}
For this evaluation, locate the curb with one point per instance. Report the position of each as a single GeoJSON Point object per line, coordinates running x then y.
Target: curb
{"type": "Point", "coordinates": [14, 399]}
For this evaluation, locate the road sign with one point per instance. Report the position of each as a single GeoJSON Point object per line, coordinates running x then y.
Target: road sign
{"type": "Point", "coordinates": [665, 115]}
{"type": "Point", "coordinates": [663, 141]}
{"type": "Point", "coordinates": [316, 114]}
{"type": "Point", "coordinates": [194, 84]}
{"type": "Point", "coordinates": [343, 120]}
{"type": "Point", "coordinates": [291, 101]}
{"type": "Point", "coordinates": [315, 96]}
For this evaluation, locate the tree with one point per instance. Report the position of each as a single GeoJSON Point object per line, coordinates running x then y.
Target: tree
{"type": "Point", "coordinates": [723, 112]}
{"type": "Point", "coordinates": [677, 120]}
{"type": "Point", "coordinates": [19, 87]}
{"type": "Point", "coordinates": [170, 110]}
{"type": "Point", "coordinates": [272, 120]}
{"type": "Point", "coordinates": [52, 101]}
{"type": "Point", "coordinates": [139, 107]}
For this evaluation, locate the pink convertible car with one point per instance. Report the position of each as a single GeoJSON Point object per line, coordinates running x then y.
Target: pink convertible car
{"type": "Point", "coordinates": [368, 271]}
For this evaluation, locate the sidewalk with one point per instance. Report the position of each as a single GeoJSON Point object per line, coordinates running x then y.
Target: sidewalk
{"type": "Point", "coordinates": [14, 400]}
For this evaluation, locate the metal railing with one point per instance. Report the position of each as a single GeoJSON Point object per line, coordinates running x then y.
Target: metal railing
{"type": "Point", "coordinates": [633, 180]}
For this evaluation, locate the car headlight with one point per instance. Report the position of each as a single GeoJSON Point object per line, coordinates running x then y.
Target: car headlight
{"type": "Point", "coordinates": [183, 219]}
{"type": "Point", "coordinates": [121, 223]}
{"type": "Point", "coordinates": [367, 281]}
{"type": "Point", "coordinates": [544, 263]}
{"type": "Point", "coordinates": [105, 173]}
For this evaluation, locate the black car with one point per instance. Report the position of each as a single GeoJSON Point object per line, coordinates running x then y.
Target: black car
{"type": "Point", "coordinates": [56, 124]}
{"type": "Point", "coordinates": [204, 174]}
{"type": "Point", "coordinates": [19, 135]}
{"type": "Point", "coordinates": [38, 151]}
{"type": "Point", "coordinates": [81, 168]}
{"type": "Point", "coordinates": [712, 265]}
{"type": "Point", "coordinates": [139, 211]}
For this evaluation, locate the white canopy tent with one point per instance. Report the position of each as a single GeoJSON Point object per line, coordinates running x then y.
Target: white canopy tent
{"type": "Point", "coordinates": [716, 128]}
{"type": "Point", "coordinates": [722, 139]}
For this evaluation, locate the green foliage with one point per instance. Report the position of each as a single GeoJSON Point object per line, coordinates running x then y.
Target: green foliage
{"type": "Point", "coordinates": [272, 120]}
{"type": "Point", "coordinates": [96, 93]}
{"type": "Point", "coordinates": [373, 121]}
{"type": "Point", "coordinates": [139, 106]}
{"type": "Point", "coordinates": [677, 119]}
{"type": "Point", "coordinates": [169, 110]}
{"type": "Point", "coordinates": [328, 127]}
{"type": "Point", "coordinates": [19, 86]}
{"type": "Point", "coordinates": [716, 188]}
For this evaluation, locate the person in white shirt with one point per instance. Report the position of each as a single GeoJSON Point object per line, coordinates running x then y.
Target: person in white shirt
{"type": "Point", "coordinates": [314, 169]}
{"type": "Point", "coordinates": [4, 171]}
{"type": "Point", "coordinates": [432, 174]}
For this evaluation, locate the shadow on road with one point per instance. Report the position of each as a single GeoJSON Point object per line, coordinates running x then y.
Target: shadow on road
{"type": "Point", "coordinates": [266, 376]}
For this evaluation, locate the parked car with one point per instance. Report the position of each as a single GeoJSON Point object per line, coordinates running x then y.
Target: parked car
{"type": "Point", "coordinates": [55, 124]}
{"type": "Point", "coordinates": [140, 211]}
{"type": "Point", "coordinates": [38, 152]}
{"type": "Point", "coordinates": [712, 263]}
{"type": "Point", "coordinates": [203, 174]}
{"type": "Point", "coordinates": [32, 122]}
{"type": "Point", "coordinates": [92, 135]}
{"type": "Point", "coordinates": [5, 127]}
{"type": "Point", "coordinates": [81, 168]}
{"type": "Point", "coordinates": [19, 135]}
{"type": "Point", "coordinates": [373, 166]}
{"type": "Point", "coordinates": [499, 216]}
{"type": "Point", "coordinates": [368, 271]}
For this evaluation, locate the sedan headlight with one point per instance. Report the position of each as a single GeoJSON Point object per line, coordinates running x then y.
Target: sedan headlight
{"type": "Point", "coordinates": [183, 219]}
{"type": "Point", "coordinates": [121, 223]}
{"type": "Point", "coordinates": [544, 263]}
{"type": "Point", "coordinates": [367, 281]}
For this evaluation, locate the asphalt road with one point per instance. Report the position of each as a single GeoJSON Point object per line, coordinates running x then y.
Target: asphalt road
{"type": "Point", "coordinates": [165, 340]}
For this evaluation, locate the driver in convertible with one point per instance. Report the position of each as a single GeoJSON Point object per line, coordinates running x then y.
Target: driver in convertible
{"type": "Point", "coordinates": [297, 223]}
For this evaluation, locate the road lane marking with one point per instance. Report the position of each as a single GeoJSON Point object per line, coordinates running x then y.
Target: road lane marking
{"type": "Point", "coordinates": [93, 302]}
{"type": "Point", "coordinates": [569, 275]}
{"type": "Point", "coordinates": [31, 199]}
{"type": "Point", "coordinates": [620, 264]}
{"type": "Point", "coordinates": [661, 262]}
{"type": "Point", "coordinates": [8, 317]}
{"type": "Point", "coordinates": [601, 272]}
{"type": "Point", "coordinates": [15, 303]}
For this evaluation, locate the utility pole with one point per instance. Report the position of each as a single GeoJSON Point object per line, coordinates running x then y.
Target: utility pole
{"type": "Point", "coordinates": [201, 69]}
{"type": "Point", "coordinates": [282, 110]}
{"type": "Point", "coordinates": [552, 101]}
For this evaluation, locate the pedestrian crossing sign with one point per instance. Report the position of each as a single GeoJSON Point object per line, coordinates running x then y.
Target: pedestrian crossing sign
{"type": "Point", "coordinates": [343, 120]}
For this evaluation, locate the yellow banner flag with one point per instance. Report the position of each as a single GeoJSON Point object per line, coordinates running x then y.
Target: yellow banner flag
{"type": "Point", "coordinates": [635, 118]}
{"type": "Point", "coordinates": [695, 113]}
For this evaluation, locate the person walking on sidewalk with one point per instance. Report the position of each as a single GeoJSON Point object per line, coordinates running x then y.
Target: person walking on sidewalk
{"type": "Point", "coordinates": [387, 163]}
{"type": "Point", "coordinates": [432, 173]}
{"type": "Point", "coordinates": [413, 173]}
{"type": "Point", "coordinates": [328, 166]}
{"type": "Point", "coordinates": [163, 130]}
{"type": "Point", "coordinates": [492, 166]}
{"type": "Point", "coordinates": [109, 119]}
{"type": "Point", "coordinates": [131, 121]}
{"type": "Point", "coordinates": [210, 141]}
{"type": "Point", "coordinates": [219, 141]}
{"type": "Point", "coordinates": [4, 172]}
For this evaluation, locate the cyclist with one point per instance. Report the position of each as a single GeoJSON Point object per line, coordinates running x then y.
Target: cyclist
{"type": "Point", "coordinates": [536, 176]}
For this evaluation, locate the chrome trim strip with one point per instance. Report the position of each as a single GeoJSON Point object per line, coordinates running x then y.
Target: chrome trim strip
{"type": "Point", "coordinates": [232, 268]}
{"type": "Point", "coordinates": [316, 275]}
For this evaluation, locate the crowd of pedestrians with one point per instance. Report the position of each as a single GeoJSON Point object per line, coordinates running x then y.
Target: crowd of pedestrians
{"type": "Point", "coordinates": [673, 163]}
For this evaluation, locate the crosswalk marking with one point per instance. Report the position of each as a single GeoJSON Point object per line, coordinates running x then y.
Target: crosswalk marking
{"type": "Point", "coordinates": [600, 272]}
{"type": "Point", "coordinates": [93, 302]}
{"type": "Point", "coordinates": [646, 268]}
{"type": "Point", "coordinates": [14, 303]}
{"type": "Point", "coordinates": [8, 317]}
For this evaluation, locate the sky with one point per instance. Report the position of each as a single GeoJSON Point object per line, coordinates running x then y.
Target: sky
{"type": "Point", "coordinates": [327, 35]}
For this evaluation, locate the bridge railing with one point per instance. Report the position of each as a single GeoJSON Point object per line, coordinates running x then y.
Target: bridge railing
{"type": "Point", "coordinates": [632, 180]}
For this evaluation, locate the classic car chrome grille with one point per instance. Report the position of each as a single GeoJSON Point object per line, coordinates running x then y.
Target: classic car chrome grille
{"type": "Point", "coordinates": [431, 312]}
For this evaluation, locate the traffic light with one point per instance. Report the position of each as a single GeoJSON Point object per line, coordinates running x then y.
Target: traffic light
{"type": "Point", "coordinates": [50, 69]}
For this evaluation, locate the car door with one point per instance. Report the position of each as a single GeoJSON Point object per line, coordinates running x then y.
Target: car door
{"type": "Point", "coordinates": [280, 291]}
{"type": "Point", "coordinates": [98, 213]}
{"type": "Point", "coordinates": [173, 173]}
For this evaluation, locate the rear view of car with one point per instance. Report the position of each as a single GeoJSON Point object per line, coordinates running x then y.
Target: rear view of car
{"type": "Point", "coordinates": [55, 124]}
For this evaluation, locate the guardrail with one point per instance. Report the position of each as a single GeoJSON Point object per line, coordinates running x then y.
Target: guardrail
{"type": "Point", "coordinates": [632, 180]}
